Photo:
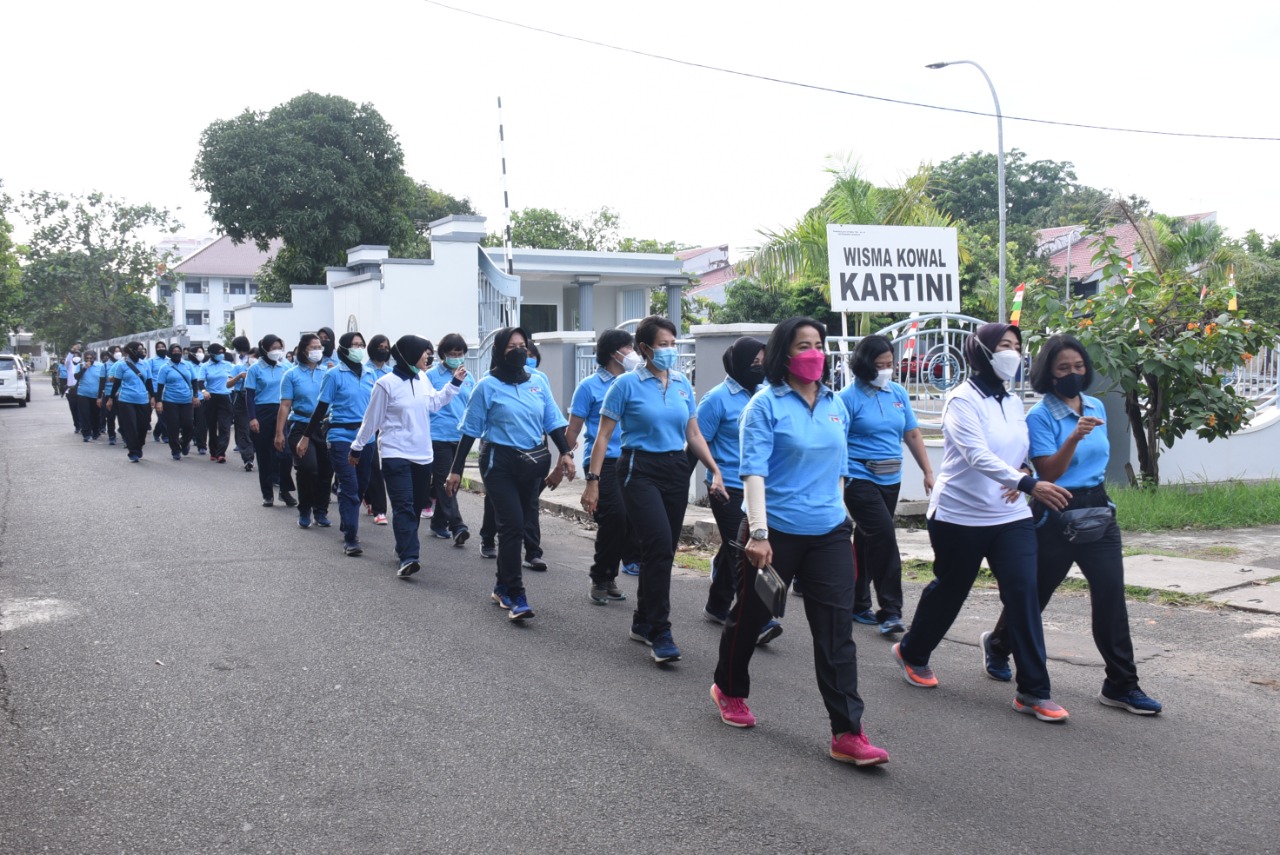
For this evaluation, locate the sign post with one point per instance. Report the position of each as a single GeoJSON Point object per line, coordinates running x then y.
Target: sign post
{"type": "Point", "coordinates": [885, 269]}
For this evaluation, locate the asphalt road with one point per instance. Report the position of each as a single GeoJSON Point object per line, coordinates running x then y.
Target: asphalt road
{"type": "Point", "coordinates": [185, 671]}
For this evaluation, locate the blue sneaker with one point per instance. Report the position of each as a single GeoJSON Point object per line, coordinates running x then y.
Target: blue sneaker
{"type": "Point", "coordinates": [441, 534]}
{"type": "Point", "coordinates": [520, 608]}
{"type": "Point", "coordinates": [997, 667]}
{"type": "Point", "coordinates": [304, 520]}
{"type": "Point", "coordinates": [133, 458]}
{"type": "Point", "coordinates": [500, 598]}
{"type": "Point", "coordinates": [631, 569]}
{"type": "Point", "coordinates": [352, 549]}
{"type": "Point", "coordinates": [867, 617]}
{"type": "Point", "coordinates": [175, 457]}
{"type": "Point", "coordinates": [408, 568]}
{"type": "Point", "coordinates": [891, 626]}
{"type": "Point", "coordinates": [640, 632]}
{"type": "Point", "coordinates": [768, 632]}
{"type": "Point", "coordinates": [322, 519]}
{"type": "Point", "coordinates": [664, 648]}
{"type": "Point", "coordinates": [715, 616]}
{"type": "Point", "coordinates": [1135, 700]}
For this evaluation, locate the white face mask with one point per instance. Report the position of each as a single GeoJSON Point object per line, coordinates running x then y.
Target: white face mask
{"type": "Point", "coordinates": [315, 355]}
{"type": "Point", "coordinates": [882, 378]}
{"type": "Point", "coordinates": [631, 361]}
{"type": "Point", "coordinates": [1005, 363]}
{"type": "Point", "coordinates": [75, 360]}
{"type": "Point", "coordinates": [117, 356]}
{"type": "Point", "coordinates": [198, 357]}
{"type": "Point", "coordinates": [275, 355]}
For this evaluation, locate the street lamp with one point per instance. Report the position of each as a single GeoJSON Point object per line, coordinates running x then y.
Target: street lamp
{"type": "Point", "coordinates": [999, 167]}
{"type": "Point", "coordinates": [1066, 291]}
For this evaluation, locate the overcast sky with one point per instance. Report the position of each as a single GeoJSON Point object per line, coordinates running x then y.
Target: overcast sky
{"type": "Point", "coordinates": [113, 97]}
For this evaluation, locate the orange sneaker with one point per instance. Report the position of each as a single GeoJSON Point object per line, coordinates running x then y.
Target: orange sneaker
{"type": "Point", "coordinates": [920, 676]}
{"type": "Point", "coordinates": [1042, 708]}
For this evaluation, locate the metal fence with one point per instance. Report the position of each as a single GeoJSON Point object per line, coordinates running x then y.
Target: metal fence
{"type": "Point", "coordinates": [586, 365]}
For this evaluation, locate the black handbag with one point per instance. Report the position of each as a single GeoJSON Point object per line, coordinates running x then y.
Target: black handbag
{"type": "Point", "coordinates": [1085, 525]}
{"type": "Point", "coordinates": [769, 586]}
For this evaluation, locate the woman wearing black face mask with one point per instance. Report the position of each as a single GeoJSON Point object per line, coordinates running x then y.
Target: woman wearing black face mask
{"type": "Point", "coordinates": [719, 412]}
{"type": "Point", "coordinates": [176, 397]}
{"type": "Point", "coordinates": [512, 412]}
{"type": "Point", "coordinates": [327, 339]}
{"type": "Point", "coordinates": [1068, 449]}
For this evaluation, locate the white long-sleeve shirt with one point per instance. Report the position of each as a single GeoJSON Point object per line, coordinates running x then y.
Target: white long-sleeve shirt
{"type": "Point", "coordinates": [984, 441]}
{"type": "Point", "coordinates": [399, 412]}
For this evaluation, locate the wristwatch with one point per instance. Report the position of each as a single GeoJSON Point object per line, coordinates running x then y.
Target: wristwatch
{"type": "Point", "coordinates": [760, 534]}
{"type": "Point", "coordinates": [591, 476]}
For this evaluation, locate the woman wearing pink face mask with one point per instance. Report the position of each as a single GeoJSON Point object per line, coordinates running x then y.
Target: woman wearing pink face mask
{"type": "Point", "coordinates": [794, 436]}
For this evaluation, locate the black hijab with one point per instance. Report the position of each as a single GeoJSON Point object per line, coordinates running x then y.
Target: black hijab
{"type": "Point", "coordinates": [407, 350]}
{"type": "Point", "coordinates": [345, 343]}
{"type": "Point", "coordinates": [737, 362]}
{"type": "Point", "coordinates": [327, 342]}
{"type": "Point", "coordinates": [977, 352]}
{"type": "Point", "coordinates": [499, 367]}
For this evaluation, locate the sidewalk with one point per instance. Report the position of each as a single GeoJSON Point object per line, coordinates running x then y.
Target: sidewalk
{"type": "Point", "coordinates": [1236, 567]}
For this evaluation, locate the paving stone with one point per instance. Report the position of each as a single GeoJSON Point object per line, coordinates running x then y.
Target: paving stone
{"type": "Point", "coordinates": [1186, 575]}
{"type": "Point", "coordinates": [1255, 598]}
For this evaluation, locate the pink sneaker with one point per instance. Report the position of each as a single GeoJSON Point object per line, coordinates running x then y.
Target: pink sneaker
{"type": "Point", "coordinates": [854, 748]}
{"type": "Point", "coordinates": [380, 519]}
{"type": "Point", "coordinates": [733, 711]}
{"type": "Point", "coordinates": [429, 511]}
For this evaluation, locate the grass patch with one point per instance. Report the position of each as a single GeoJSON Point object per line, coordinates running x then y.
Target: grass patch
{"type": "Point", "coordinates": [1232, 504]}
{"type": "Point", "coordinates": [689, 559]}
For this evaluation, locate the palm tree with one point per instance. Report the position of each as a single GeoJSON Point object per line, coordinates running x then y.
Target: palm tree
{"type": "Point", "coordinates": [801, 250]}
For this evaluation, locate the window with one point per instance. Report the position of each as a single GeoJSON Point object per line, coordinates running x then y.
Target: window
{"type": "Point", "coordinates": [253, 289]}
{"type": "Point", "coordinates": [237, 286]}
{"type": "Point", "coordinates": [193, 286]}
{"type": "Point", "coordinates": [226, 317]}
{"type": "Point", "coordinates": [194, 319]}
{"type": "Point", "coordinates": [538, 319]}
{"type": "Point", "coordinates": [166, 291]}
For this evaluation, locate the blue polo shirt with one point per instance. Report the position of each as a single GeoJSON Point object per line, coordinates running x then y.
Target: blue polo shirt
{"type": "Point", "coordinates": [302, 387]}
{"type": "Point", "coordinates": [515, 415]}
{"type": "Point", "coordinates": [216, 375]}
{"type": "Point", "coordinates": [87, 386]}
{"type": "Point", "coordinates": [133, 388]}
{"type": "Point", "coordinates": [177, 381]}
{"type": "Point", "coordinates": [264, 380]}
{"type": "Point", "coordinates": [444, 425]}
{"type": "Point", "coordinates": [1051, 421]}
{"type": "Point", "coordinates": [348, 397]}
{"type": "Point", "coordinates": [800, 453]}
{"type": "Point", "coordinates": [588, 398]}
{"type": "Point", "coordinates": [373, 373]}
{"type": "Point", "coordinates": [652, 418]}
{"type": "Point", "coordinates": [878, 419]}
{"type": "Point", "coordinates": [718, 415]}
{"type": "Point", "coordinates": [156, 363]}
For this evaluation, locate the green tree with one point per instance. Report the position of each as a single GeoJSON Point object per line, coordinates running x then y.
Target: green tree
{"type": "Point", "coordinates": [543, 228]}
{"type": "Point", "coordinates": [90, 267]}
{"type": "Point", "coordinates": [319, 171]}
{"type": "Point", "coordinates": [424, 205]}
{"type": "Point", "coordinates": [658, 247]}
{"type": "Point", "coordinates": [10, 275]}
{"type": "Point", "coordinates": [1171, 353]}
{"type": "Point", "coordinates": [748, 301]}
{"type": "Point", "coordinates": [1258, 277]}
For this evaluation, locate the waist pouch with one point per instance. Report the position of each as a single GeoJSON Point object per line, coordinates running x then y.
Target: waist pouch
{"type": "Point", "coordinates": [1081, 524]}
{"type": "Point", "coordinates": [344, 425]}
{"type": "Point", "coordinates": [883, 467]}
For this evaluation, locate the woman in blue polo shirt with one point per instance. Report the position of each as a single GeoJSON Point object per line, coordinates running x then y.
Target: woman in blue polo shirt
{"type": "Point", "coordinates": [719, 412]}
{"type": "Point", "coordinates": [513, 412]}
{"type": "Point", "coordinates": [794, 437]}
{"type": "Point", "coordinates": [299, 392]}
{"type": "Point", "coordinates": [199, 415]}
{"type": "Point", "coordinates": [655, 408]}
{"type": "Point", "coordinates": [446, 522]}
{"type": "Point", "coordinates": [88, 403]}
{"type": "Point", "coordinates": [343, 399]}
{"type": "Point", "coordinates": [262, 402]}
{"type": "Point", "coordinates": [217, 401]}
{"type": "Point", "coordinates": [1069, 448]}
{"type": "Point", "coordinates": [131, 397]}
{"type": "Point", "coordinates": [176, 397]}
{"type": "Point", "coordinates": [881, 421]}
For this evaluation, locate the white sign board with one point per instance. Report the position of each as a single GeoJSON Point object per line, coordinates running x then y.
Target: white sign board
{"type": "Point", "coordinates": [893, 269]}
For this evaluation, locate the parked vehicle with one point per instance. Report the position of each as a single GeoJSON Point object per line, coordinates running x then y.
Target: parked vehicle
{"type": "Point", "coordinates": [13, 380]}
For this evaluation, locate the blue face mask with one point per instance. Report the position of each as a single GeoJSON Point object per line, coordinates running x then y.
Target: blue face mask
{"type": "Point", "coordinates": [666, 358]}
{"type": "Point", "coordinates": [217, 357]}
{"type": "Point", "coordinates": [531, 363]}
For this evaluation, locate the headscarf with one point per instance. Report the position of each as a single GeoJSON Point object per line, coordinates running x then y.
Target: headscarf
{"type": "Point", "coordinates": [407, 350]}
{"type": "Point", "coordinates": [498, 365]}
{"type": "Point", "coordinates": [345, 344]}
{"type": "Point", "coordinates": [977, 352]}
{"type": "Point", "coordinates": [327, 342]}
{"type": "Point", "coordinates": [737, 361]}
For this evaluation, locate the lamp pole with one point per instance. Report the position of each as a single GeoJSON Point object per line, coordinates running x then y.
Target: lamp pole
{"type": "Point", "coordinates": [999, 169]}
{"type": "Point", "coordinates": [1066, 291]}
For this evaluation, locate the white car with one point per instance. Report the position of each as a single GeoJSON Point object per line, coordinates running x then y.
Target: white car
{"type": "Point", "coordinates": [13, 380]}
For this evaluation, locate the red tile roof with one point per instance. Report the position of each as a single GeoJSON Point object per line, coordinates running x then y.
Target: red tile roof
{"type": "Point", "coordinates": [224, 258]}
{"type": "Point", "coordinates": [1083, 247]}
{"type": "Point", "coordinates": [686, 254]}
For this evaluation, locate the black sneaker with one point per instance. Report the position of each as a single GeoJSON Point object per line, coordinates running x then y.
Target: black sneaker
{"type": "Point", "coordinates": [488, 550]}
{"type": "Point", "coordinates": [268, 502]}
{"type": "Point", "coordinates": [535, 564]}
{"type": "Point", "coordinates": [288, 499]}
{"type": "Point", "coordinates": [599, 594]}
{"type": "Point", "coordinates": [460, 537]}
{"type": "Point", "coordinates": [408, 568]}
{"type": "Point", "coordinates": [248, 467]}
{"type": "Point", "coordinates": [996, 666]}
{"type": "Point", "coordinates": [615, 593]}
{"type": "Point", "coordinates": [352, 549]}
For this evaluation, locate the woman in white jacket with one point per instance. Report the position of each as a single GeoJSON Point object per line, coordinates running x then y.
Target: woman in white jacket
{"type": "Point", "coordinates": [399, 413]}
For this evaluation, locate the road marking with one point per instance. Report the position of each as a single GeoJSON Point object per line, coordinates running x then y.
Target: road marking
{"type": "Point", "coordinates": [29, 611]}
